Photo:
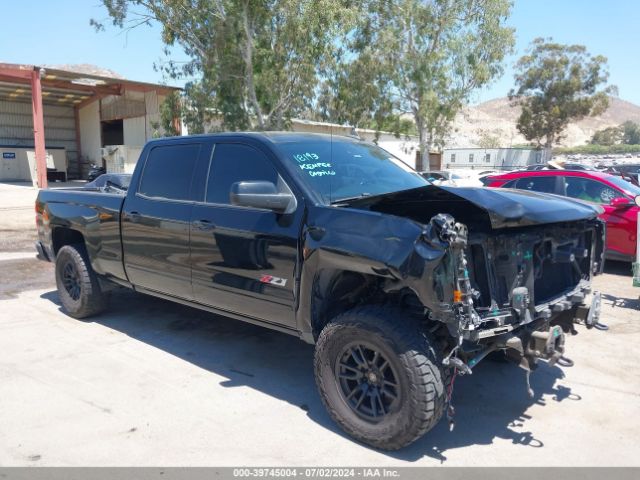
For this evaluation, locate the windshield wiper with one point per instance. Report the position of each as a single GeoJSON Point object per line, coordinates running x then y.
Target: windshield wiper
{"type": "Point", "coordinates": [349, 199]}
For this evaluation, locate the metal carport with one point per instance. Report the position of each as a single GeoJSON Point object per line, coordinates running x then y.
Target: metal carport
{"type": "Point", "coordinates": [52, 99]}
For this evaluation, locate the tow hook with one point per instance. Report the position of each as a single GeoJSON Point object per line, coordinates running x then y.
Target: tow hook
{"type": "Point", "coordinates": [593, 317]}
{"type": "Point", "coordinates": [547, 345]}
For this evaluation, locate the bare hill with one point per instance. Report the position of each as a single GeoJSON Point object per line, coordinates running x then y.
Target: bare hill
{"type": "Point", "coordinates": [498, 118]}
{"type": "Point", "coordinates": [88, 69]}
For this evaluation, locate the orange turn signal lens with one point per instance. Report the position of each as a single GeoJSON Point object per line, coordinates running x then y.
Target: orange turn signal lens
{"type": "Point", "coordinates": [457, 296]}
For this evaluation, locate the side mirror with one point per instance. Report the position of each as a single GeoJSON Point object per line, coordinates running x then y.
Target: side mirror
{"type": "Point", "coordinates": [621, 202]}
{"type": "Point", "coordinates": [263, 195]}
{"type": "Point", "coordinates": [637, 199]}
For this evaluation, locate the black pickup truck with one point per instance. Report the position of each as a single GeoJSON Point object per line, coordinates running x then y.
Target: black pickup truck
{"type": "Point", "coordinates": [401, 285]}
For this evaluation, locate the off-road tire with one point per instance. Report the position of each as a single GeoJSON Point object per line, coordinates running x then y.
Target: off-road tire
{"type": "Point", "coordinates": [89, 300]}
{"type": "Point", "coordinates": [409, 350]}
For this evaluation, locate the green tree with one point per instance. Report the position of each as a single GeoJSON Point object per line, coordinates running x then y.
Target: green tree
{"type": "Point", "coordinates": [422, 58]}
{"type": "Point", "coordinates": [255, 63]}
{"type": "Point", "coordinates": [607, 136]}
{"type": "Point", "coordinates": [487, 140]}
{"type": "Point", "coordinates": [630, 133]}
{"type": "Point", "coordinates": [351, 91]}
{"type": "Point", "coordinates": [170, 114]}
{"type": "Point", "coordinates": [555, 85]}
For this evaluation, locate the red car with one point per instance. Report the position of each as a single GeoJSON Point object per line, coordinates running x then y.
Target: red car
{"type": "Point", "coordinates": [619, 199]}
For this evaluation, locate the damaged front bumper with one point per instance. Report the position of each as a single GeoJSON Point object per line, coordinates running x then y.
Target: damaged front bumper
{"type": "Point", "coordinates": [519, 291]}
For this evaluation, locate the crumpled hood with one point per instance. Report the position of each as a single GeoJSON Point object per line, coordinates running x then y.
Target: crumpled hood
{"type": "Point", "coordinates": [503, 207]}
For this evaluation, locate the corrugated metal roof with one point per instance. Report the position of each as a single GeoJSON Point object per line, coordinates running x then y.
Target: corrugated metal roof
{"type": "Point", "coordinates": [64, 87]}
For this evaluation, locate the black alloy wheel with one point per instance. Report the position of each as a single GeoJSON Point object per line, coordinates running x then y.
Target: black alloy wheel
{"type": "Point", "coordinates": [379, 375]}
{"type": "Point", "coordinates": [78, 285]}
{"type": "Point", "coordinates": [71, 280]}
{"type": "Point", "coordinates": [368, 382]}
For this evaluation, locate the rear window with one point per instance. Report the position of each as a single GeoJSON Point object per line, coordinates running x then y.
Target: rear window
{"type": "Point", "coordinates": [168, 171]}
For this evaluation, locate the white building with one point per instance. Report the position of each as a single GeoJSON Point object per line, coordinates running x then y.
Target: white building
{"type": "Point", "coordinates": [404, 147]}
{"type": "Point", "coordinates": [492, 158]}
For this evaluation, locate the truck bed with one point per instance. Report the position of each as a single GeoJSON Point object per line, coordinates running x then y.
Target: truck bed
{"type": "Point", "coordinates": [95, 214]}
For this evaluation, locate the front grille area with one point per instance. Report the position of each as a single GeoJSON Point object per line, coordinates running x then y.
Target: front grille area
{"type": "Point", "coordinates": [549, 260]}
{"type": "Point", "coordinates": [559, 268]}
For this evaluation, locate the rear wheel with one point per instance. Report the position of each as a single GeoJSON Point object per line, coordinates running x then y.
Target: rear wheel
{"type": "Point", "coordinates": [78, 286]}
{"type": "Point", "coordinates": [379, 377]}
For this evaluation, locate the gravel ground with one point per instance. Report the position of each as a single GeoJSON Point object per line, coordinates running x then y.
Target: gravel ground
{"type": "Point", "coordinates": [154, 383]}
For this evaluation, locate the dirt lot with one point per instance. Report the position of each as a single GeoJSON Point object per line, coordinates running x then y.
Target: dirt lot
{"type": "Point", "coordinates": [155, 383]}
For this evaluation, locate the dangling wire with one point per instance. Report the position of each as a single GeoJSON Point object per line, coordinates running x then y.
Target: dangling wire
{"type": "Point", "coordinates": [450, 410]}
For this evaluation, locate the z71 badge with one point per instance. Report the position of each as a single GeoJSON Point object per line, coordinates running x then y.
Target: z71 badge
{"type": "Point", "coordinates": [271, 280]}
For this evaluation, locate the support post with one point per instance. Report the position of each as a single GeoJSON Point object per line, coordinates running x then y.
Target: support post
{"type": "Point", "coordinates": [38, 128]}
{"type": "Point", "coordinates": [76, 116]}
{"type": "Point", "coordinates": [636, 265]}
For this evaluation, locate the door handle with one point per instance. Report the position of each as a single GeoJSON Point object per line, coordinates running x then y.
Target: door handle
{"type": "Point", "coordinates": [134, 217]}
{"type": "Point", "coordinates": [203, 225]}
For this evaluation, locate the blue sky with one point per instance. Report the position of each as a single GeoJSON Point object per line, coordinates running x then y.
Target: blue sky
{"type": "Point", "coordinates": [51, 32]}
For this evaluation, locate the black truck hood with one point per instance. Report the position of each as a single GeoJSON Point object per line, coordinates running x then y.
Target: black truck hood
{"type": "Point", "coordinates": [502, 208]}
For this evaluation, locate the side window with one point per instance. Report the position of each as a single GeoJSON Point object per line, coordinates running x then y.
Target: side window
{"type": "Point", "coordinates": [590, 190]}
{"type": "Point", "coordinates": [168, 170]}
{"type": "Point", "coordinates": [537, 184]}
{"type": "Point", "coordinates": [511, 184]}
{"type": "Point", "coordinates": [233, 162]}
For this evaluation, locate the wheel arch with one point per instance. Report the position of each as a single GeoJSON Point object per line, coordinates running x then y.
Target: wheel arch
{"type": "Point", "coordinates": [335, 291]}
{"type": "Point", "coordinates": [62, 236]}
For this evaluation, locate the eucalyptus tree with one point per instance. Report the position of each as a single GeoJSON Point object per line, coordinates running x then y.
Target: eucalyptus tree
{"type": "Point", "coordinates": [557, 84]}
{"type": "Point", "coordinates": [254, 64]}
{"type": "Point", "coordinates": [422, 58]}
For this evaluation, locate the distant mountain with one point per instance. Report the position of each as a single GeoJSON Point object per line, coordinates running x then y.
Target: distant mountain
{"type": "Point", "coordinates": [87, 69]}
{"type": "Point", "coordinates": [498, 118]}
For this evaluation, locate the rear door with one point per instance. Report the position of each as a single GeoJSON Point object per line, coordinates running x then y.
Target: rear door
{"type": "Point", "coordinates": [244, 259]}
{"type": "Point", "coordinates": [156, 218]}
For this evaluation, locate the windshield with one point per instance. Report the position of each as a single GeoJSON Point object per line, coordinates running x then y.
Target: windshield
{"type": "Point", "coordinates": [339, 169]}
{"type": "Point", "coordinates": [624, 185]}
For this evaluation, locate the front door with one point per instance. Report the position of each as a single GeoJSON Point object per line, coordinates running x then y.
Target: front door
{"type": "Point", "coordinates": [618, 220]}
{"type": "Point", "coordinates": [243, 259]}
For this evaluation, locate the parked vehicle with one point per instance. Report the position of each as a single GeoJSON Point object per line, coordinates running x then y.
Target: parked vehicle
{"type": "Point", "coordinates": [578, 166]}
{"type": "Point", "coordinates": [401, 285]}
{"type": "Point", "coordinates": [558, 165]}
{"type": "Point", "coordinates": [456, 178]}
{"type": "Point", "coordinates": [95, 171]}
{"type": "Point", "coordinates": [619, 199]}
{"type": "Point", "coordinates": [628, 171]}
{"type": "Point", "coordinates": [441, 177]}
{"type": "Point", "coordinates": [118, 182]}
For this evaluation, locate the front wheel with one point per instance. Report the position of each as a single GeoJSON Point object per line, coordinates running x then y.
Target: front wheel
{"type": "Point", "coordinates": [379, 376]}
{"type": "Point", "coordinates": [78, 286]}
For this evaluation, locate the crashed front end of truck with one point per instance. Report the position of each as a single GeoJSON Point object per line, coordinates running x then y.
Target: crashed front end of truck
{"type": "Point", "coordinates": [502, 271]}
{"type": "Point", "coordinates": [520, 292]}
